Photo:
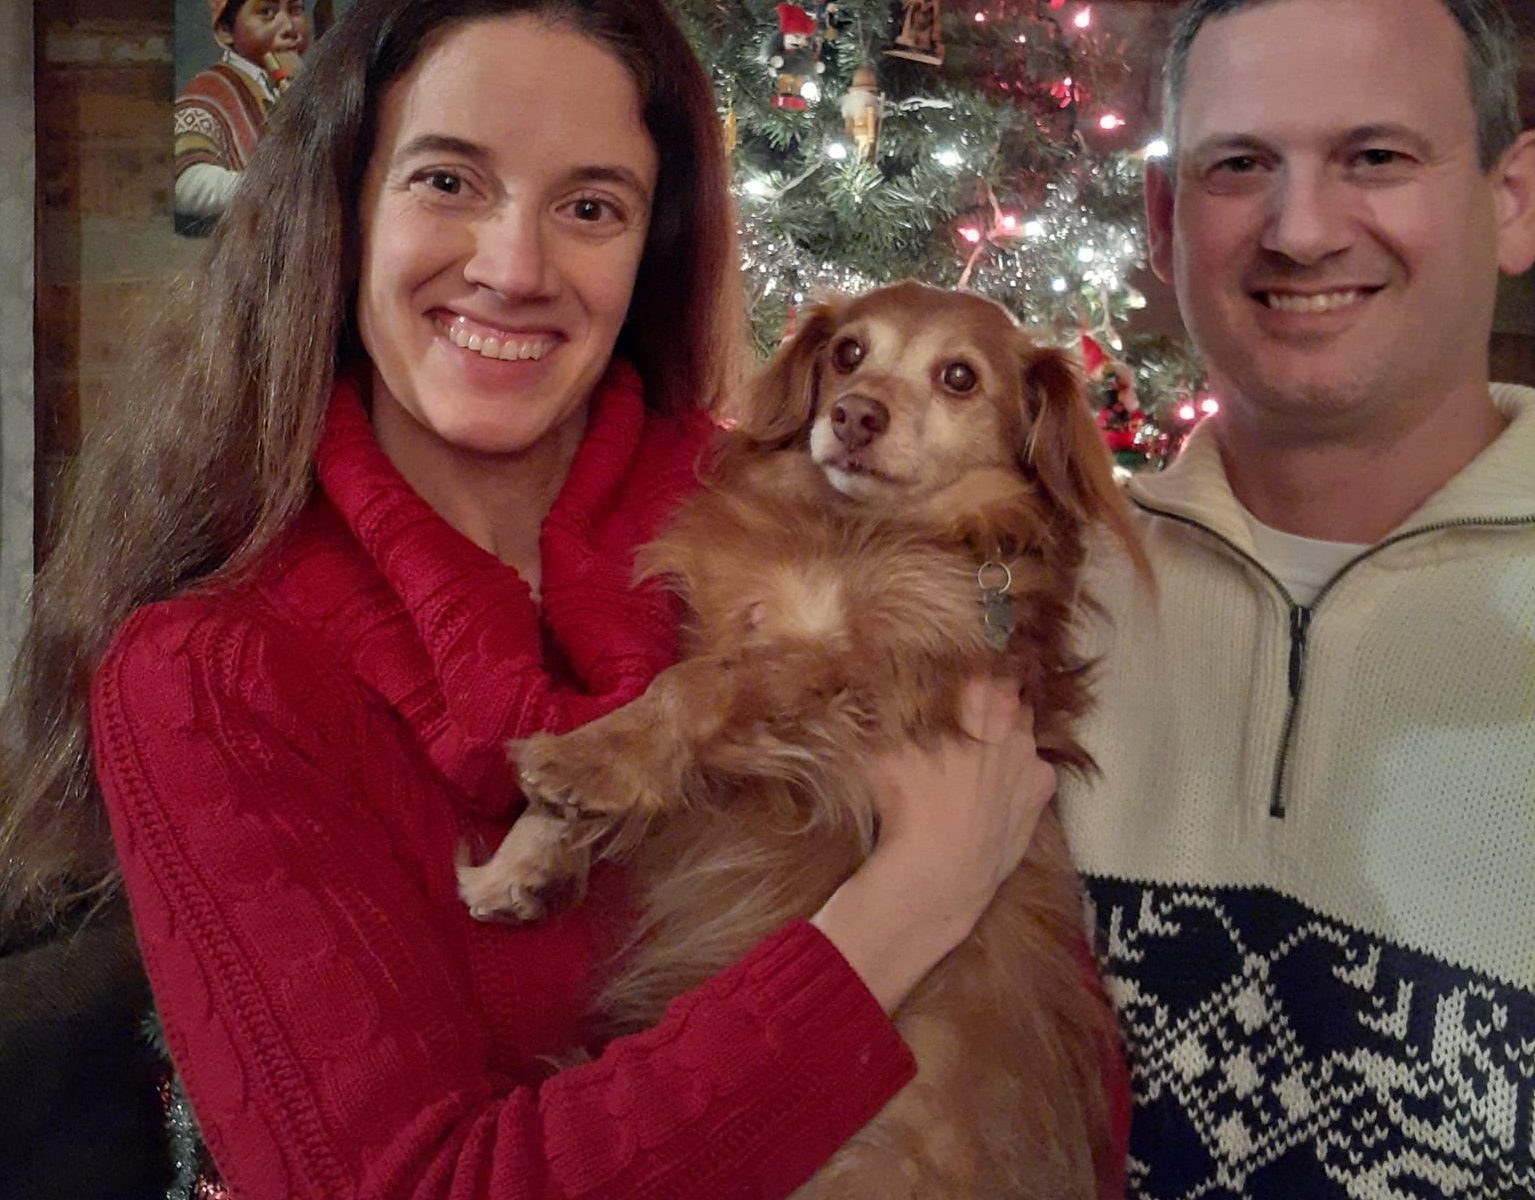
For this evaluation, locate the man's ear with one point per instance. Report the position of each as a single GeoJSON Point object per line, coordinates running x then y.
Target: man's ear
{"type": "Point", "coordinates": [1514, 180]}
{"type": "Point", "coordinates": [1159, 218]}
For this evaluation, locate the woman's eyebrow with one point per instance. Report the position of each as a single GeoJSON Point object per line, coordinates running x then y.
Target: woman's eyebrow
{"type": "Point", "coordinates": [442, 143]}
{"type": "Point", "coordinates": [604, 173]}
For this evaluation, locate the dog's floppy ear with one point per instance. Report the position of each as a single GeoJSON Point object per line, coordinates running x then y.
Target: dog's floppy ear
{"type": "Point", "coordinates": [779, 402]}
{"type": "Point", "coordinates": [1064, 451]}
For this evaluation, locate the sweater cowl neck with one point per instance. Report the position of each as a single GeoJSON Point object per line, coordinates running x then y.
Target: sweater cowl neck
{"type": "Point", "coordinates": [505, 667]}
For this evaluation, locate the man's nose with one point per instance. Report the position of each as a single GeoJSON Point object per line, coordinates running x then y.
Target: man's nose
{"type": "Point", "coordinates": [511, 255]}
{"type": "Point", "coordinates": [1310, 215]}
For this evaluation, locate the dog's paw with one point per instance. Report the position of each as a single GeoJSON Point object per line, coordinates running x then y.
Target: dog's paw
{"type": "Point", "coordinates": [586, 774]}
{"type": "Point", "coordinates": [493, 896]}
{"type": "Point", "coordinates": [534, 871]}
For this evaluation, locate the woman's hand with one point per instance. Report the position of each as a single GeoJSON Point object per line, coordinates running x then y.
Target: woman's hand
{"type": "Point", "coordinates": [955, 821]}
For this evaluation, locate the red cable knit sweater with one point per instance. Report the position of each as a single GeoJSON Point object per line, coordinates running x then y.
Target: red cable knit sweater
{"type": "Point", "coordinates": [290, 764]}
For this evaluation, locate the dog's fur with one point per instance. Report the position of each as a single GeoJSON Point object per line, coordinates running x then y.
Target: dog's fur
{"type": "Point", "coordinates": [834, 611]}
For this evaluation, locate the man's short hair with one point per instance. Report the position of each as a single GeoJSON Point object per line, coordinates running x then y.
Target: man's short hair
{"type": "Point", "coordinates": [1492, 65]}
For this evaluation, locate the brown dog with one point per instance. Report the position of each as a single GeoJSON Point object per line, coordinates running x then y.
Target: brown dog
{"type": "Point", "coordinates": [903, 505]}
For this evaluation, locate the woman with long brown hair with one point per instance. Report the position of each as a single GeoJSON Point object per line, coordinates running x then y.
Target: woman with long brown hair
{"type": "Point", "coordinates": [369, 512]}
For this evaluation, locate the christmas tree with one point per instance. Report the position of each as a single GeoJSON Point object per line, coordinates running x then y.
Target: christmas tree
{"type": "Point", "coordinates": [963, 144]}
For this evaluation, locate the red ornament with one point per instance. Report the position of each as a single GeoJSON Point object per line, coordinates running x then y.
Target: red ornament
{"type": "Point", "coordinates": [1093, 356]}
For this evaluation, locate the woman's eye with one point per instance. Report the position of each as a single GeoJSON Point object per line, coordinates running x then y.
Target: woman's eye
{"type": "Point", "coordinates": [445, 182]}
{"type": "Point", "coordinates": [847, 354]}
{"type": "Point", "coordinates": [600, 213]}
{"type": "Point", "coordinates": [959, 377]}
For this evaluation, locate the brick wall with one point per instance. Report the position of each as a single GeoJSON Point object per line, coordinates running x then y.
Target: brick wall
{"type": "Point", "coordinates": [105, 245]}
{"type": "Point", "coordinates": [17, 267]}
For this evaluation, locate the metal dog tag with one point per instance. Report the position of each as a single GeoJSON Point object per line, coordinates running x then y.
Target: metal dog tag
{"type": "Point", "coordinates": [997, 618]}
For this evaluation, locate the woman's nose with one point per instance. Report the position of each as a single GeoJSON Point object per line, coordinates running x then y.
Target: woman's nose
{"type": "Point", "coordinates": [510, 254]}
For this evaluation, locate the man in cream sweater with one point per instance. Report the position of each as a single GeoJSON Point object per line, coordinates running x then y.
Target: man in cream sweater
{"type": "Point", "coordinates": [1311, 853]}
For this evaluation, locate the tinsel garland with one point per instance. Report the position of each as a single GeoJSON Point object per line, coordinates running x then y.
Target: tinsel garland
{"type": "Point", "coordinates": [1005, 169]}
{"type": "Point", "coordinates": [195, 1178]}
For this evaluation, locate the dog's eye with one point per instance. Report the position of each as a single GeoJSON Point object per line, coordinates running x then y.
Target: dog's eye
{"type": "Point", "coordinates": [847, 354]}
{"type": "Point", "coordinates": [959, 377]}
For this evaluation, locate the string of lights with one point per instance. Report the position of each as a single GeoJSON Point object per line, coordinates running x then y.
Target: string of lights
{"type": "Point", "coordinates": [966, 145]}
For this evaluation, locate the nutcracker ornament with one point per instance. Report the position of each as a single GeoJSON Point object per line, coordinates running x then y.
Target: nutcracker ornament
{"type": "Point", "coordinates": [794, 54]}
{"type": "Point", "coordinates": [862, 108]}
{"type": "Point", "coordinates": [921, 37]}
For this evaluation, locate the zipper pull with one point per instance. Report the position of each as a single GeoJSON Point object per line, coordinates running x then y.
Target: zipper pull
{"type": "Point", "coordinates": [1300, 623]}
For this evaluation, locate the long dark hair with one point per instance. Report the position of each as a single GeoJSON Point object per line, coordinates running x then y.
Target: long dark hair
{"type": "Point", "coordinates": [210, 450]}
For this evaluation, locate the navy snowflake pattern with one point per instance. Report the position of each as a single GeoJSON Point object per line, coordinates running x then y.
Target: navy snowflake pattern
{"type": "Point", "coordinates": [1281, 1055]}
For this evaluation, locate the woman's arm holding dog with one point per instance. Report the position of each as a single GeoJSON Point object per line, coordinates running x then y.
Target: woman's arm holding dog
{"type": "Point", "coordinates": [955, 821]}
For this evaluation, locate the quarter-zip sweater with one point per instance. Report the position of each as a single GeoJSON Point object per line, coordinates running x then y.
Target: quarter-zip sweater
{"type": "Point", "coordinates": [291, 764]}
{"type": "Point", "coordinates": [1312, 850]}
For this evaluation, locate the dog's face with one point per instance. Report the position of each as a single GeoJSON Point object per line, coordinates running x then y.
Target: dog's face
{"type": "Point", "coordinates": [912, 389]}
{"type": "Point", "coordinates": [901, 393]}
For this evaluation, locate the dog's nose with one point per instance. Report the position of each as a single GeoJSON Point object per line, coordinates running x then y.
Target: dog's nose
{"type": "Point", "coordinates": [857, 421]}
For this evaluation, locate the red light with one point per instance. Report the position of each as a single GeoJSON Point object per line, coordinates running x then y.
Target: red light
{"type": "Point", "coordinates": [970, 234]}
{"type": "Point", "coordinates": [1186, 412]}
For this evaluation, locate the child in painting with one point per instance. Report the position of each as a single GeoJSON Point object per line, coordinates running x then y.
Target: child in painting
{"type": "Point", "coordinates": [222, 110]}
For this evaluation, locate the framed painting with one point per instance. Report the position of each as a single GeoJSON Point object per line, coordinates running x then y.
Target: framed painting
{"type": "Point", "coordinates": [234, 60]}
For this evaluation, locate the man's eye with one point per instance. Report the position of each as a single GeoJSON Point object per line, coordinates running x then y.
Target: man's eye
{"type": "Point", "coordinates": [1238, 164]}
{"type": "Point", "coordinates": [1376, 157]}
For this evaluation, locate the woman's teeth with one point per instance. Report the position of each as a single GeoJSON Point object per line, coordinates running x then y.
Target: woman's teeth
{"type": "Point", "coordinates": [507, 349]}
{"type": "Point", "coordinates": [1321, 302]}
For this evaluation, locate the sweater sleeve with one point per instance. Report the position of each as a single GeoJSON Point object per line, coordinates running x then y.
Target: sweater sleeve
{"type": "Point", "coordinates": [316, 1001]}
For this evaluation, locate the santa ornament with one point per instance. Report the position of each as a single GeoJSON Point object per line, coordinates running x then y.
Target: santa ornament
{"type": "Point", "coordinates": [1117, 409]}
{"type": "Point", "coordinates": [794, 53]}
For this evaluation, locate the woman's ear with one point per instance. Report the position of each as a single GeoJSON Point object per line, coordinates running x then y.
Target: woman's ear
{"type": "Point", "coordinates": [779, 401]}
{"type": "Point", "coordinates": [1064, 452]}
